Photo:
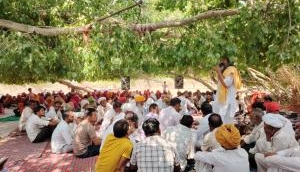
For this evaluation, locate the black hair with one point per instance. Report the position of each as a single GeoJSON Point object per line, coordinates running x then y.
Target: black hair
{"type": "Point", "coordinates": [215, 120]}
{"type": "Point", "coordinates": [38, 108]}
{"type": "Point", "coordinates": [117, 104]}
{"type": "Point", "coordinates": [268, 98]}
{"type": "Point", "coordinates": [120, 128]}
{"type": "Point", "coordinates": [175, 101]}
{"type": "Point", "coordinates": [206, 108]}
{"type": "Point", "coordinates": [89, 111]}
{"type": "Point", "coordinates": [65, 114]}
{"type": "Point", "coordinates": [152, 106]}
{"type": "Point", "coordinates": [58, 102]}
{"type": "Point", "coordinates": [259, 105]}
{"type": "Point", "coordinates": [187, 120]}
{"type": "Point", "coordinates": [151, 126]}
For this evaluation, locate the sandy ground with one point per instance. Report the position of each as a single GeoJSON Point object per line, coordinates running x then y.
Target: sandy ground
{"type": "Point", "coordinates": [153, 84]}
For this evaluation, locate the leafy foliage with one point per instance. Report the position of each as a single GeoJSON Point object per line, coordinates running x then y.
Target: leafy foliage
{"type": "Point", "coordinates": [264, 35]}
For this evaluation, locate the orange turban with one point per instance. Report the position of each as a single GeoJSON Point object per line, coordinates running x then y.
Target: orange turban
{"type": "Point", "coordinates": [139, 98]}
{"type": "Point", "coordinates": [228, 136]}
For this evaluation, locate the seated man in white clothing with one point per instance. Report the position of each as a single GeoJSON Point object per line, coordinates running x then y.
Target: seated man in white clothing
{"type": "Point", "coordinates": [26, 113]}
{"type": "Point", "coordinates": [54, 111]}
{"type": "Point", "coordinates": [210, 142]}
{"type": "Point", "coordinates": [37, 129]}
{"type": "Point", "coordinates": [153, 112]}
{"type": "Point", "coordinates": [109, 116]}
{"type": "Point", "coordinates": [203, 127]}
{"type": "Point", "coordinates": [170, 116]}
{"type": "Point", "coordinates": [284, 161]}
{"type": "Point", "coordinates": [132, 120]}
{"type": "Point", "coordinates": [230, 159]}
{"type": "Point", "coordinates": [61, 140]}
{"type": "Point", "coordinates": [182, 136]}
{"type": "Point", "coordinates": [277, 136]}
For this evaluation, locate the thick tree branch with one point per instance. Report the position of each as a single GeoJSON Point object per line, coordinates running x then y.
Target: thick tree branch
{"type": "Point", "coordinates": [53, 31]}
{"type": "Point", "coordinates": [69, 84]}
{"type": "Point", "coordinates": [178, 23]}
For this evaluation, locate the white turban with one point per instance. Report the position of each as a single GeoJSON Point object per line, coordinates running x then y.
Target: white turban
{"type": "Point", "coordinates": [101, 99]}
{"type": "Point", "coordinates": [84, 102]}
{"type": "Point", "coordinates": [273, 120]}
{"type": "Point", "coordinates": [78, 114]}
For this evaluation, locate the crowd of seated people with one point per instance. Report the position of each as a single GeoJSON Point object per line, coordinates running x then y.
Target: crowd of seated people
{"type": "Point", "coordinates": [154, 131]}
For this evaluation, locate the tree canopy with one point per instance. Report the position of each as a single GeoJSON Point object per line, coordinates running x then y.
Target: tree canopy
{"type": "Point", "coordinates": [260, 34]}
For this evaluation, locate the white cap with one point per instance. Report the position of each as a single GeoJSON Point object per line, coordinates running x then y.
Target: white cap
{"type": "Point", "coordinates": [273, 120]}
{"type": "Point", "coordinates": [101, 99]}
{"type": "Point", "coordinates": [84, 102]}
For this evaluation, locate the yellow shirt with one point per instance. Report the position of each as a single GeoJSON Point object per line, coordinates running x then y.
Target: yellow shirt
{"type": "Point", "coordinates": [113, 149]}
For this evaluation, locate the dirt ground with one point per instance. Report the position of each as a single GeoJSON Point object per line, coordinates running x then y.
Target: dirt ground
{"type": "Point", "coordinates": [153, 84]}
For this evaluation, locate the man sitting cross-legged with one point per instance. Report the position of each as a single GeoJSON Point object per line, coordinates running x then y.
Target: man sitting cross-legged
{"type": "Point", "coordinates": [116, 150]}
{"type": "Point", "coordinates": [230, 159]}
{"type": "Point", "coordinates": [38, 129]}
{"type": "Point", "coordinates": [86, 143]}
{"type": "Point", "coordinates": [61, 141]}
{"type": "Point", "coordinates": [154, 154]}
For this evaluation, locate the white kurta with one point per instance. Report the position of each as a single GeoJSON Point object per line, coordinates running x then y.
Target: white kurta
{"type": "Point", "coordinates": [202, 129]}
{"type": "Point", "coordinates": [27, 112]}
{"type": "Point", "coordinates": [61, 140]}
{"type": "Point", "coordinates": [34, 125]}
{"type": "Point", "coordinates": [168, 117]}
{"type": "Point", "coordinates": [101, 111]}
{"type": "Point", "coordinates": [228, 109]}
{"type": "Point", "coordinates": [285, 161]}
{"type": "Point", "coordinates": [51, 113]}
{"type": "Point", "coordinates": [225, 160]}
{"type": "Point", "coordinates": [280, 141]}
{"type": "Point", "coordinates": [209, 144]}
{"type": "Point", "coordinates": [107, 120]}
{"type": "Point", "coordinates": [182, 137]}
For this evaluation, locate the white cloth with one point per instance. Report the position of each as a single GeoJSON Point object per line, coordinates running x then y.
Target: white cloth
{"type": "Point", "coordinates": [110, 128]}
{"type": "Point", "coordinates": [51, 113]}
{"type": "Point", "coordinates": [161, 104]}
{"type": "Point", "coordinates": [168, 117]}
{"type": "Point", "coordinates": [209, 144]}
{"type": "Point", "coordinates": [34, 125]}
{"type": "Point", "coordinates": [101, 111]}
{"type": "Point", "coordinates": [280, 141]}
{"type": "Point", "coordinates": [151, 115]}
{"type": "Point", "coordinates": [273, 120]}
{"type": "Point", "coordinates": [225, 160]}
{"type": "Point", "coordinates": [183, 139]}
{"type": "Point", "coordinates": [107, 120]}
{"type": "Point", "coordinates": [185, 105]}
{"type": "Point", "coordinates": [27, 112]}
{"type": "Point", "coordinates": [61, 138]}
{"type": "Point", "coordinates": [257, 132]}
{"type": "Point", "coordinates": [228, 109]}
{"type": "Point", "coordinates": [202, 129]}
{"type": "Point", "coordinates": [285, 161]}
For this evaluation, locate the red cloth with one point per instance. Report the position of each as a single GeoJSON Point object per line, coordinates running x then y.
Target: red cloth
{"type": "Point", "coordinates": [122, 99]}
{"type": "Point", "coordinates": [272, 107]}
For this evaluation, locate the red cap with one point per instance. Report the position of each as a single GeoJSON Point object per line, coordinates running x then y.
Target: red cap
{"type": "Point", "coordinates": [272, 107]}
{"type": "Point", "coordinates": [122, 99]}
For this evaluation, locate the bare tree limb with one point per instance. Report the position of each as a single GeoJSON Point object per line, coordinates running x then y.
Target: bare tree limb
{"type": "Point", "coordinates": [69, 84]}
{"type": "Point", "coordinates": [141, 28]}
